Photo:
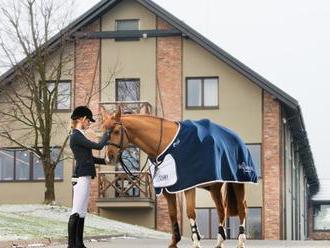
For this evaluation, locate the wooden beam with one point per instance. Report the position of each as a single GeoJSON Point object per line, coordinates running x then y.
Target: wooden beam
{"type": "Point", "coordinates": [127, 34]}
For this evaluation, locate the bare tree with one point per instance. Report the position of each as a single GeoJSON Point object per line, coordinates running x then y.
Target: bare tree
{"type": "Point", "coordinates": [30, 98]}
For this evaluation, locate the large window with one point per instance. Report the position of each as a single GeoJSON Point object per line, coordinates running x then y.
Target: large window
{"type": "Point", "coordinates": [22, 165]}
{"type": "Point", "coordinates": [207, 220]}
{"type": "Point", "coordinates": [255, 151]}
{"type": "Point", "coordinates": [63, 100]}
{"type": "Point", "coordinates": [202, 92]}
{"type": "Point", "coordinates": [127, 25]}
{"type": "Point", "coordinates": [321, 216]}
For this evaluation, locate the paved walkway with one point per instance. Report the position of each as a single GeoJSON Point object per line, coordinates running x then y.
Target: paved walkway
{"type": "Point", "coordinates": [153, 243]}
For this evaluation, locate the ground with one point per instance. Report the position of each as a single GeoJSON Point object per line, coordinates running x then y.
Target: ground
{"type": "Point", "coordinates": [46, 226]}
{"type": "Point", "coordinates": [44, 222]}
{"type": "Point", "coordinates": [186, 243]}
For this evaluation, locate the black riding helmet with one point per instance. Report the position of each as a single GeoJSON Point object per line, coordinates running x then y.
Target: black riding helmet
{"type": "Point", "coordinates": [82, 111]}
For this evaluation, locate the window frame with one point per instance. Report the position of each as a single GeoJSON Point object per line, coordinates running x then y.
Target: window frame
{"type": "Point", "coordinates": [127, 38]}
{"type": "Point", "coordinates": [202, 106]}
{"type": "Point", "coordinates": [127, 79]}
{"type": "Point", "coordinates": [31, 168]}
{"type": "Point", "coordinates": [314, 205]}
{"type": "Point", "coordinates": [56, 108]}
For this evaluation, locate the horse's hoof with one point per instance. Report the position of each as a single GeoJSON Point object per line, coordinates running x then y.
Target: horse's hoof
{"type": "Point", "coordinates": [196, 246]}
{"type": "Point", "coordinates": [241, 241]}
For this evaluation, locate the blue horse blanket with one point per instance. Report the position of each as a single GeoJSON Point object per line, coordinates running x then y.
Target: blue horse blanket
{"type": "Point", "coordinates": [205, 152]}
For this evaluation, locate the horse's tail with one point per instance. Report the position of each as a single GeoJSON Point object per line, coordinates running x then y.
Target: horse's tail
{"type": "Point", "coordinates": [231, 201]}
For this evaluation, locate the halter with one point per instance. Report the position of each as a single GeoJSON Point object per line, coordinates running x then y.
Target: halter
{"type": "Point", "coordinates": [121, 148]}
{"type": "Point", "coordinates": [122, 132]}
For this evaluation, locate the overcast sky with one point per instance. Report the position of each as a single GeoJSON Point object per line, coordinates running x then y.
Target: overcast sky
{"type": "Point", "coordinates": [287, 42]}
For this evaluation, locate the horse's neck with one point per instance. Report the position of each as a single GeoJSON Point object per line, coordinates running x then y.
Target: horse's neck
{"type": "Point", "coordinates": [145, 132]}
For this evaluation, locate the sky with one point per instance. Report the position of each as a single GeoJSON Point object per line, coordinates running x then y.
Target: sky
{"type": "Point", "coordinates": [287, 42]}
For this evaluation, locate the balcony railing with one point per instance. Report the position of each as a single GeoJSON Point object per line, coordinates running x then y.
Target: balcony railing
{"type": "Point", "coordinates": [136, 107]}
{"type": "Point", "coordinates": [116, 187]}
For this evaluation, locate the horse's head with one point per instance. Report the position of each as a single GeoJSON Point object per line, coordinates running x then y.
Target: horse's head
{"type": "Point", "coordinates": [118, 140]}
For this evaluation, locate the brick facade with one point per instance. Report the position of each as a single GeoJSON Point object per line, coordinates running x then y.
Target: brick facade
{"type": "Point", "coordinates": [87, 75]}
{"type": "Point", "coordinates": [169, 77]}
{"type": "Point", "coordinates": [271, 167]}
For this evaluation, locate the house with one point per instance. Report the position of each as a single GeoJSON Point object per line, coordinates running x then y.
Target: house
{"type": "Point", "coordinates": [180, 74]}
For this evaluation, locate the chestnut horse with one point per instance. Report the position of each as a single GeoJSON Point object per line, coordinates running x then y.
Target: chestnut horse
{"type": "Point", "coordinates": [153, 135]}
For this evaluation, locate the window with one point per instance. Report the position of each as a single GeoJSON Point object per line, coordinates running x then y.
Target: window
{"type": "Point", "coordinates": [127, 90]}
{"type": "Point", "coordinates": [127, 25]}
{"type": "Point", "coordinates": [207, 221]}
{"type": "Point", "coordinates": [202, 92]}
{"type": "Point", "coordinates": [255, 151]}
{"type": "Point", "coordinates": [63, 101]}
{"type": "Point", "coordinates": [253, 223]}
{"type": "Point", "coordinates": [7, 165]}
{"type": "Point", "coordinates": [22, 165]}
{"type": "Point", "coordinates": [321, 216]}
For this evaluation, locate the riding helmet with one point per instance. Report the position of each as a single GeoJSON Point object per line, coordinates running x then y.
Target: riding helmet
{"type": "Point", "coordinates": [82, 111]}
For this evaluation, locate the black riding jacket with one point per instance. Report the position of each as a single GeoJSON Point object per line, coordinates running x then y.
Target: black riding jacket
{"type": "Point", "coordinates": [82, 151]}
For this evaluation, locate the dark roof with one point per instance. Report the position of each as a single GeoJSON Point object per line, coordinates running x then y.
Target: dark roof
{"type": "Point", "coordinates": [289, 102]}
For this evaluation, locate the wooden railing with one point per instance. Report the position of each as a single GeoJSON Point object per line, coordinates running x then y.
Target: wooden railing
{"type": "Point", "coordinates": [136, 107]}
{"type": "Point", "coordinates": [116, 185]}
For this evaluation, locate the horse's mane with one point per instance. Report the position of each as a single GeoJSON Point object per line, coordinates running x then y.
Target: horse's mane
{"type": "Point", "coordinates": [146, 116]}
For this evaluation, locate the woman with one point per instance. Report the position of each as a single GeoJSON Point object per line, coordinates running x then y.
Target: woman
{"type": "Point", "coordinates": [84, 171]}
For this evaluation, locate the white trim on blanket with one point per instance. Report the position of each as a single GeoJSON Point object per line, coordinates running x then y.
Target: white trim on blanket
{"type": "Point", "coordinates": [200, 184]}
{"type": "Point", "coordinates": [168, 146]}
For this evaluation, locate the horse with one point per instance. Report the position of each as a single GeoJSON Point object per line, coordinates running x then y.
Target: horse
{"type": "Point", "coordinates": [153, 135]}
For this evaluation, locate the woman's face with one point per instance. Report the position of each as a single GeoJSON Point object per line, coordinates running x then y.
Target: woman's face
{"type": "Point", "coordinates": [84, 122]}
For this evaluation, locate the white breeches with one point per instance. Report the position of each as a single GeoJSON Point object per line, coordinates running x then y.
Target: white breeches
{"type": "Point", "coordinates": [80, 196]}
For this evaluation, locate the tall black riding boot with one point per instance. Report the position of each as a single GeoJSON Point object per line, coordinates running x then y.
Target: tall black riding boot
{"type": "Point", "coordinates": [72, 230]}
{"type": "Point", "coordinates": [80, 233]}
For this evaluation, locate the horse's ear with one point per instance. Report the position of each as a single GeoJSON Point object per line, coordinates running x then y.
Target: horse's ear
{"type": "Point", "coordinates": [104, 113]}
{"type": "Point", "coordinates": [118, 113]}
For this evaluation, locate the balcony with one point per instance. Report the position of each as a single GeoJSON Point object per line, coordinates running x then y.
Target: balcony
{"type": "Point", "coordinates": [116, 189]}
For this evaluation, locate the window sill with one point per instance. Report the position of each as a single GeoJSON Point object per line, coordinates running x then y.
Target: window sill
{"type": "Point", "coordinates": [203, 108]}
{"type": "Point", "coordinates": [62, 110]}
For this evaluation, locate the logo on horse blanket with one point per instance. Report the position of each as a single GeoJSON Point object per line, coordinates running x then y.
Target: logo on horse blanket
{"type": "Point", "coordinates": [202, 152]}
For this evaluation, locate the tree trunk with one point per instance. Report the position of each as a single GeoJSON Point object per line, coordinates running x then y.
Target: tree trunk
{"type": "Point", "coordinates": [49, 184]}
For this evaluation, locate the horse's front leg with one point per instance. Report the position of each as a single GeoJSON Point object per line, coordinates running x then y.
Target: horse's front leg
{"type": "Point", "coordinates": [190, 199]}
{"type": "Point", "coordinates": [239, 190]}
{"type": "Point", "coordinates": [172, 210]}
